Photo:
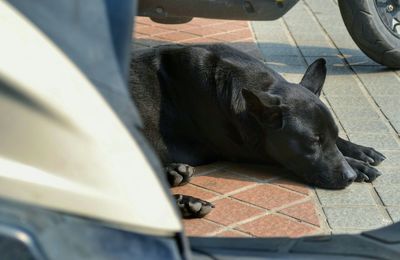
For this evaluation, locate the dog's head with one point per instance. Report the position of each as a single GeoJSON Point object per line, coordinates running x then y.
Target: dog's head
{"type": "Point", "coordinates": [299, 130]}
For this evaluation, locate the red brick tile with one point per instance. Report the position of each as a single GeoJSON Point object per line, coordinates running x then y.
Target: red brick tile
{"type": "Point", "coordinates": [232, 233]}
{"type": "Point", "coordinates": [202, 40]}
{"type": "Point", "coordinates": [150, 30]}
{"type": "Point", "coordinates": [204, 31]}
{"type": "Point", "coordinates": [150, 42]}
{"type": "Point", "coordinates": [177, 27]}
{"type": "Point", "coordinates": [227, 27]}
{"type": "Point", "coordinates": [176, 36]}
{"type": "Point", "coordinates": [260, 172]}
{"type": "Point", "coordinates": [194, 191]}
{"type": "Point", "coordinates": [293, 185]}
{"type": "Point", "coordinates": [221, 181]}
{"type": "Point", "coordinates": [209, 167]}
{"type": "Point", "coordinates": [268, 196]}
{"type": "Point", "coordinates": [229, 211]}
{"type": "Point", "coordinates": [203, 22]}
{"type": "Point", "coordinates": [243, 34]}
{"type": "Point", "coordinates": [304, 211]}
{"type": "Point", "coordinates": [199, 227]}
{"type": "Point", "coordinates": [140, 36]}
{"type": "Point", "coordinates": [276, 226]}
{"type": "Point", "coordinates": [143, 21]}
{"type": "Point", "coordinates": [239, 23]}
{"type": "Point", "coordinates": [248, 40]}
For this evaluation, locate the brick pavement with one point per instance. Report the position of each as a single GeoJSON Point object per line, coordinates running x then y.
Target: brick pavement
{"type": "Point", "coordinates": [364, 97]}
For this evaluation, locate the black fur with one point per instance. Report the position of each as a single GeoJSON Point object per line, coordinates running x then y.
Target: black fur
{"type": "Point", "coordinates": [211, 102]}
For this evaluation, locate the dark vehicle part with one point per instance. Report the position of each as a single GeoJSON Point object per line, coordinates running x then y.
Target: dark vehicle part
{"type": "Point", "coordinates": [179, 11]}
{"type": "Point", "coordinates": [382, 243]}
{"type": "Point", "coordinates": [374, 25]}
{"type": "Point", "coordinates": [29, 232]}
{"type": "Point", "coordinates": [32, 233]}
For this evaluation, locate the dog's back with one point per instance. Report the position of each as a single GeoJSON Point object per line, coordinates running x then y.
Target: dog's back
{"type": "Point", "coordinates": [187, 92]}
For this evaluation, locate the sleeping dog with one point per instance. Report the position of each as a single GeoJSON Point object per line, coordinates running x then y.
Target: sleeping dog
{"type": "Point", "coordinates": [205, 103]}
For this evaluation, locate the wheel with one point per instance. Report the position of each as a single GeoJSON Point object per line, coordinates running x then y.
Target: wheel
{"type": "Point", "coordinates": [374, 25]}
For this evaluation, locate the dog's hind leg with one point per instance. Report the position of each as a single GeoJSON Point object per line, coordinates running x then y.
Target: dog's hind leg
{"type": "Point", "coordinates": [359, 152]}
{"type": "Point", "coordinates": [191, 207]}
{"type": "Point", "coordinates": [179, 174]}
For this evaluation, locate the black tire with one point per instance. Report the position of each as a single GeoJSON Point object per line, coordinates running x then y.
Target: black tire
{"type": "Point", "coordinates": [370, 33]}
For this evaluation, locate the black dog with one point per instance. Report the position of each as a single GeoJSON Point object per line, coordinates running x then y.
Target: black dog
{"type": "Point", "coordinates": [211, 102]}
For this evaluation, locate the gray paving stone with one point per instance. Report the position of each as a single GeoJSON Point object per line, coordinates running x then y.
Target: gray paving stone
{"type": "Point", "coordinates": [349, 102]}
{"type": "Point", "coordinates": [274, 49]}
{"type": "Point", "coordinates": [390, 194]}
{"type": "Point", "coordinates": [293, 77]}
{"type": "Point", "coordinates": [390, 106]}
{"type": "Point", "coordinates": [377, 141]}
{"type": "Point", "coordinates": [367, 217]}
{"type": "Point", "coordinates": [392, 159]}
{"type": "Point", "coordinates": [341, 86]}
{"type": "Point", "coordinates": [355, 194]}
{"type": "Point", "coordinates": [341, 70]}
{"type": "Point", "coordinates": [362, 60]}
{"type": "Point", "coordinates": [388, 102]}
{"type": "Point", "coordinates": [330, 62]}
{"type": "Point", "coordinates": [281, 68]}
{"type": "Point", "coordinates": [392, 115]}
{"type": "Point", "coordinates": [359, 113]}
{"type": "Point", "coordinates": [316, 49]}
{"type": "Point", "coordinates": [396, 125]}
{"type": "Point", "coordinates": [285, 60]}
{"type": "Point", "coordinates": [274, 32]}
{"type": "Point", "coordinates": [304, 37]}
{"type": "Point", "coordinates": [343, 135]}
{"type": "Point", "coordinates": [243, 46]}
{"type": "Point", "coordinates": [389, 176]}
{"type": "Point", "coordinates": [272, 37]}
{"type": "Point", "coordinates": [352, 125]}
{"type": "Point", "coordinates": [394, 213]}
{"type": "Point", "coordinates": [322, 7]}
{"type": "Point", "coordinates": [377, 81]}
{"type": "Point", "coordinates": [261, 25]}
{"type": "Point", "coordinates": [308, 34]}
{"type": "Point", "coordinates": [347, 47]}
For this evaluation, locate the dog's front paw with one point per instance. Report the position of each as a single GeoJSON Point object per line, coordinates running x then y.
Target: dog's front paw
{"type": "Point", "coordinates": [179, 174]}
{"type": "Point", "coordinates": [359, 152]}
{"type": "Point", "coordinates": [368, 155]}
{"type": "Point", "coordinates": [191, 207]}
{"type": "Point", "coordinates": [364, 171]}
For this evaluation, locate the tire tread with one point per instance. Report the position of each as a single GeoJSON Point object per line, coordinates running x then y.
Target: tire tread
{"type": "Point", "coordinates": [360, 22]}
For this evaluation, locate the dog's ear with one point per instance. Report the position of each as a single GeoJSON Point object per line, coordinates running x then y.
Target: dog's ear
{"type": "Point", "coordinates": [314, 77]}
{"type": "Point", "coordinates": [267, 109]}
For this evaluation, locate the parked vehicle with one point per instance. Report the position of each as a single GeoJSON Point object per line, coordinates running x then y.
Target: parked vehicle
{"type": "Point", "coordinates": [374, 25]}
